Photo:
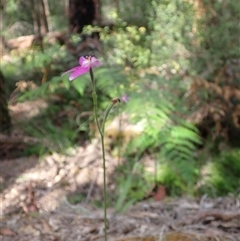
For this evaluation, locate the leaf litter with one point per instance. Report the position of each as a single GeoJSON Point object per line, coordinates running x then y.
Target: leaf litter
{"type": "Point", "coordinates": [35, 205]}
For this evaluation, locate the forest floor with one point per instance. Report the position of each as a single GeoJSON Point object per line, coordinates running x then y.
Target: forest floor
{"type": "Point", "coordinates": [35, 206]}
{"type": "Point", "coordinates": [37, 194]}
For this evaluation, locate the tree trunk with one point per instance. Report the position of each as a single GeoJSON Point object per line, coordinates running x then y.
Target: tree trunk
{"type": "Point", "coordinates": [5, 121]}
{"type": "Point", "coordinates": [36, 19]}
{"type": "Point", "coordinates": [82, 13]}
{"type": "Point", "coordinates": [43, 18]}
{"type": "Point", "coordinates": [98, 14]}
{"type": "Point", "coordinates": [2, 5]}
{"type": "Point", "coordinates": [47, 12]}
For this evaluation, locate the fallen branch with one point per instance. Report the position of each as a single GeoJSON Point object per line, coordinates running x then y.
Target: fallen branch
{"type": "Point", "coordinates": [8, 139]}
{"type": "Point", "coordinates": [217, 214]}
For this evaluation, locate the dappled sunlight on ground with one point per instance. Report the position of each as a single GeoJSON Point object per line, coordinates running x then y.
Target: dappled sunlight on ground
{"type": "Point", "coordinates": [36, 205]}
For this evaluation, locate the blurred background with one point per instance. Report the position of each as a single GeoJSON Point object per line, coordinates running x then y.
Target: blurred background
{"type": "Point", "coordinates": [175, 65]}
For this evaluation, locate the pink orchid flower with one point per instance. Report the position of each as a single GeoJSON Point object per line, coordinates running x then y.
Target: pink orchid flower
{"type": "Point", "coordinates": [125, 98]}
{"type": "Point", "coordinates": [84, 66]}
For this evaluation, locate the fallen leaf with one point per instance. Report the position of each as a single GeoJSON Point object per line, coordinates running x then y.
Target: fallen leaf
{"type": "Point", "coordinates": [160, 194]}
{"type": "Point", "coordinates": [7, 232]}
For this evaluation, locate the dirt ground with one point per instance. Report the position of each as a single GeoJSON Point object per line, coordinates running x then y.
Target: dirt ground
{"type": "Point", "coordinates": [35, 207]}
{"type": "Point", "coordinates": [36, 193]}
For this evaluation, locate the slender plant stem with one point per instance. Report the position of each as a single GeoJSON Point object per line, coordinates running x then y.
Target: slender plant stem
{"type": "Point", "coordinates": [101, 129]}
{"type": "Point", "coordinates": [104, 164]}
{"type": "Point", "coordinates": [101, 132]}
{"type": "Point", "coordinates": [106, 116]}
{"type": "Point", "coordinates": [94, 95]}
{"type": "Point", "coordinates": [104, 189]}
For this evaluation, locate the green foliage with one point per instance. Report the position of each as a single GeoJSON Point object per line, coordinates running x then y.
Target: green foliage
{"type": "Point", "coordinates": [126, 46]}
{"type": "Point", "coordinates": [218, 37]}
{"type": "Point", "coordinates": [166, 135]}
{"type": "Point", "coordinates": [31, 65]}
{"type": "Point", "coordinates": [57, 19]}
{"type": "Point", "coordinates": [162, 127]}
{"type": "Point", "coordinates": [132, 185]}
{"type": "Point", "coordinates": [222, 174]}
{"type": "Point", "coordinates": [55, 136]}
{"type": "Point", "coordinates": [151, 54]}
{"type": "Point", "coordinates": [171, 23]}
{"type": "Point", "coordinates": [133, 11]}
{"type": "Point", "coordinates": [17, 19]}
{"type": "Point", "coordinates": [170, 177]}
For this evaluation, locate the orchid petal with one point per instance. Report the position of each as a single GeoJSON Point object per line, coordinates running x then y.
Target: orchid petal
{"type": "Point", "coordinates": [95, 62]}
{"type": "Point", "coordinates": [125, 98]}
{"type": "Point", "coordinates": [86, 63]}
{"type": "Point", "coordinates": [79, 71]}
{"type": "Point", "coordinates": [71, 70]}
{"type": "Point", "coordinates": [89, 62]}
{"type": "Point", "coordinates": [81, 60]}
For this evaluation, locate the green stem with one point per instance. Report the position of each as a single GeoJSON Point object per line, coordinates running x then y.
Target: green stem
{"type": "Point", "coordinates": [104, 169]}
{"type": "Point", "coordinates": [104, 188]}
{"type": "Point", "coordinates": [104, 164]}
{"type": "Point", "coordinates": [106, 116]}
{"type": "Point", "coordinates": [92, 77]}
{"type": "Point", "coordinates": [94, 95]}
{"type": "Point", "coordinates": [101, 132]}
